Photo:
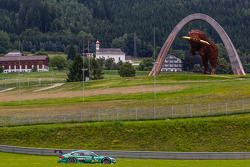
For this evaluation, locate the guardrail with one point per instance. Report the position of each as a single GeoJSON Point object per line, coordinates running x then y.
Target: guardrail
{"type": "Point", "coordinates": [137, 154]}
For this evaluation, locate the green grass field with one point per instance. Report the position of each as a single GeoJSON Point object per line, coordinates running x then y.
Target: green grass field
{"type": "Point", "coordinates": [226, 133]}
{"type": "Point", "coordinates": [18, 160]}
{"type": "Point", "coordinates": [114, 93]}
{"type": "Point", "coordinates": [196, 88]}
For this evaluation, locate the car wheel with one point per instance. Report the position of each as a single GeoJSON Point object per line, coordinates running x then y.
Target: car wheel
{"type": "Point", "coordinates": [106, 161]}
{"type": "Point", "coordinates": [72, 160]}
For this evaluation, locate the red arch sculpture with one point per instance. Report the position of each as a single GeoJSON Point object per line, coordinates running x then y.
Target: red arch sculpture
{"type": "Point", "coordinates": [231, 51]}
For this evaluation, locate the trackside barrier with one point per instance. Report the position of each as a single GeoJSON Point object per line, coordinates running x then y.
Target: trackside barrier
{"type": "Point", "coordinates": [136, 154]}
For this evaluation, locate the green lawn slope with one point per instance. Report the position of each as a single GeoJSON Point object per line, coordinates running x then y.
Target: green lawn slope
{"type": "Point", "coordinates": [229, 133]}
{"type": "Point", "coordinates": [18, 160]}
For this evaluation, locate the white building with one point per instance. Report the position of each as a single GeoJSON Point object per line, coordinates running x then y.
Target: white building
{"type": "Point", "coordinates": [106, 53]}
{"type": "Point", "coordinates": [172, 64]}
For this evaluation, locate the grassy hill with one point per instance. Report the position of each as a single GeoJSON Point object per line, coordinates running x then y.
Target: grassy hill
{"type": "Point", "coordinates": [225, 133]}
{"type": "Point", "coordinates": [228, 133]}
{"type": "Point", "coordinates": [192, 88]}
{"type": "Point", "coordinates": [205, 94]}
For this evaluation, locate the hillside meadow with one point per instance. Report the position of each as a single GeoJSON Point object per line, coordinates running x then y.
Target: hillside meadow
{"type": "Point", "coordinates": [210, 134]}
{"type": "Point", "coordinates": [225, 93]}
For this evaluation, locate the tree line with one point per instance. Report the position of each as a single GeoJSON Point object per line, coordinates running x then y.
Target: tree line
{"type": "Point", "coordinates": [83, 67]}
{"type": "Point", "coordinates": [53, 25]}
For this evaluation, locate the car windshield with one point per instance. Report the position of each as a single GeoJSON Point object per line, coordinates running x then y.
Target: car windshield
{"type": "Point", "coordinates": [91, 154]}
{"type": "Point", "coordinates": [84, 153]}
{"type": "Point", "coordinates": [74, 153]}
{"type": "Point", "coordinates": [94, 154]}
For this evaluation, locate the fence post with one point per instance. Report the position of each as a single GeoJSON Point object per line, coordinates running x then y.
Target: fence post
{"type": "Point", "coordinates": [39, 82]}
{"type": "Point", "coordinates": [191, 111]}
{"type": "Point", "coordinates": [99, 118]}
{"type": "Point", "coordinates": [117, 115]}
{"type": "Point", "coordinates": [209, 109]}
{"type": "Point", "coordinates": [243, 107]}
{"type": "Point", "coordinates": [5, 83]}
{"type": "Point", "coordinates": [136, 114]}
{"type": "Point", "coordinates": [172, 109]}
{"type": "Point", "coordinates": [226, 109]}
{"type": "Point", "coordinates": [114, 115]}
{"type": "Point", "coordinates": [81, 116]}
{"type": "Point", "coordinates": [154, 112]}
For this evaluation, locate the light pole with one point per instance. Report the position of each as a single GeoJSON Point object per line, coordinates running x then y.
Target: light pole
{"type": "Point", "coordinates": [155, 63]}
{"type": "Point", "coordinates": [89, 58]}
{"type": "Point", "coordinates": [83, 79]}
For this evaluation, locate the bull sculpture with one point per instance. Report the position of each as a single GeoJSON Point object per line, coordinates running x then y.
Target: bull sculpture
{"type": "Point", "coordinates": [205, 48]}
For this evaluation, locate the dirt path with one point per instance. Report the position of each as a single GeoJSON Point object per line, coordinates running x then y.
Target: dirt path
{"type": "Point", "coordinates": [50, 87]}
{"type": "Point", "coordinates": [6, 90]}
{"type": "Point", "coordinates": [14, 96]}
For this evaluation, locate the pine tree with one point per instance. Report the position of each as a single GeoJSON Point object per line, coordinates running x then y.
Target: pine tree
{"type": "Point", "coordinates": [71, 52]}
{"type": "Point", "coordinates": [4, 42]}
{"type": "Point", "coordinates": [96, 71]}
{"type": "Point", "coordinates": [76, 70]}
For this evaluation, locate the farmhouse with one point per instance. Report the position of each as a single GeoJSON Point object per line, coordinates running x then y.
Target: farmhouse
{"type": "Point", "coordinates": [17, 62]}
{"type": "Point", "coordinates": [115, 53]}
{"type": "Point", "coordinates": [172, 64]}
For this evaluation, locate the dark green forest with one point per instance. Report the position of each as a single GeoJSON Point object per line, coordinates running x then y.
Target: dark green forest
{"type": "Point", "coordinates": [52, 25]}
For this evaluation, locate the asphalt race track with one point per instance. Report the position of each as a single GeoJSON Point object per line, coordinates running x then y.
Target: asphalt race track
{"type": "Point", "coordinates": [137, 154]}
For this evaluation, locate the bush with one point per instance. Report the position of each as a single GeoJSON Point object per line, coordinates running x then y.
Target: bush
{"type": "Point", "coordinates": [146, 64]}
{"type": "Point", "coordinates": [101, 61]}
{"type": "Point", "coordinates": [41, 52]}
{"type": "Point", "coordinates": [1, 70]}
{"type": "Point", "coordinates": [197, 68]}
{"type": "Point", "coordinates": [127, 70]}
{"type": "Point", "coordinates": [34, 69]}
{"type": "Point", "coordinates": [223, 66]}
{"type": "Point", "coordinates": [119, 65]}
{"type": "Point", "coordinates": [110, 64]}
{"type": "Point", "coordinates": [247, 68]}
{"type": "Point", "coordinates": [58, 62]}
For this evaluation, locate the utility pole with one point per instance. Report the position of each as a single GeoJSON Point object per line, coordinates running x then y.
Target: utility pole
{"type": "Point", "coordinates": [89, 59]}
{"type": "Point", "coordinates": [154, 63]}
{"type": "Point", "coordinates": [88, 45]}
{"type": "Point", "coordinates": [154, 76]}
{"type": "Point", "coordinates": [135, 45]}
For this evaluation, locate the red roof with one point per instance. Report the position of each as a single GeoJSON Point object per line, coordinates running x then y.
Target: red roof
{"type": "Point", "coordinates": [23, 58]}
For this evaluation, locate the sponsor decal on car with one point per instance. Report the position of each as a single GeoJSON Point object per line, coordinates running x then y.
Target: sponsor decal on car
{"type": "Point", "coordinates": [94, 161]}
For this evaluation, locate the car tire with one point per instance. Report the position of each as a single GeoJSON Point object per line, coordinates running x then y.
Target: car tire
{"type": "Point", "coordinates": [106, 161]}
{"type": "Point", "coordinates": [72, 160]}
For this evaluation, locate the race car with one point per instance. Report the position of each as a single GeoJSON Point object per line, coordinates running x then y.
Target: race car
{"type": "Point", "coordinates": [83, 156]}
